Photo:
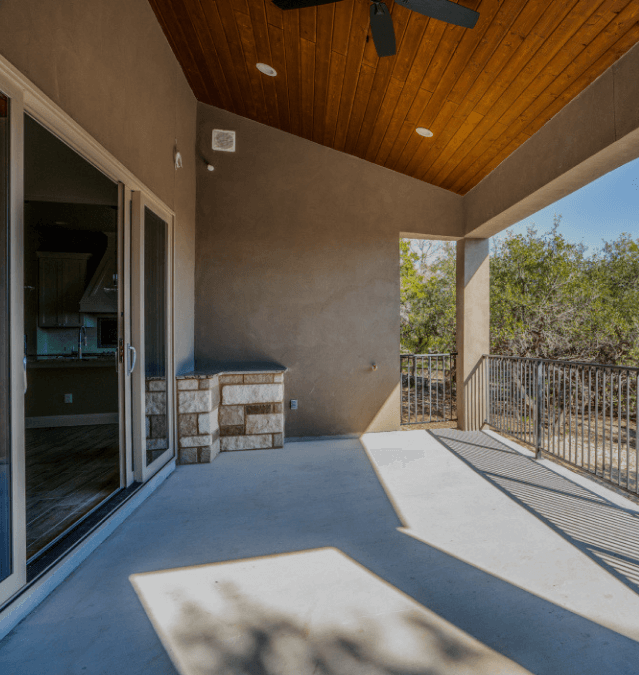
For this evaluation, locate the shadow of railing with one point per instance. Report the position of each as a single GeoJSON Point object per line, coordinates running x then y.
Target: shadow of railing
{"type": "Point", "coordinates": [606, 533]}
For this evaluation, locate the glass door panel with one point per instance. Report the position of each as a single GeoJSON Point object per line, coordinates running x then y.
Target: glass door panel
{"type": "Point", "coordinates": [152, 345]}
{"type": "Point", "coordinates": [155, 334]}
{"type": "Point", "coordinates": [73, 401]}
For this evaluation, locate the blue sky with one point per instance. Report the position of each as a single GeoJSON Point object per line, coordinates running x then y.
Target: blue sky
{"type": "Point", "coordinates": [602, 209]}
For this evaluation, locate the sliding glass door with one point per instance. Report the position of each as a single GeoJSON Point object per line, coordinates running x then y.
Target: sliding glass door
{"type": "Point", "coordinates": [86, 355]}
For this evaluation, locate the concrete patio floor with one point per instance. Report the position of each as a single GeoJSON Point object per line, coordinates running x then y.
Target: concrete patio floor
{"type": "Point", "coordinates": [408, 553]}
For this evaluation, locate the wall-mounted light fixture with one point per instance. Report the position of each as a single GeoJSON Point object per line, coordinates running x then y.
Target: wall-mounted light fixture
{"type": "Point", "coordinates": [177, 157]}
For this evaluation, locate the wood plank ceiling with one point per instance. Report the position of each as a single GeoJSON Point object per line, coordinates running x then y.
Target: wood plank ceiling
{"type": "Point", "coordinates": [482, 92]}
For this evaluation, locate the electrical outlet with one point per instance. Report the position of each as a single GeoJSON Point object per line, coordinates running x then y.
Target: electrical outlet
{"type": "Point", "coordinates": [68, 398]}
{"type": "Point", "coordinates": [293, 404]}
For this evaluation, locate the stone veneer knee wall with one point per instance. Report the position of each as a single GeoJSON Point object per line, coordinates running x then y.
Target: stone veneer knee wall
{"type": "Point", "coordinates": [198, 399]}
{"type": "Point", "coordinates": [229, 411]}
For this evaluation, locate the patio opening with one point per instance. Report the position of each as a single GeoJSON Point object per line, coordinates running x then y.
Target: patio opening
{"type": "Point", "coordinates": [428, 364]}
{"type": "Point", "coordinates": [562, 376]}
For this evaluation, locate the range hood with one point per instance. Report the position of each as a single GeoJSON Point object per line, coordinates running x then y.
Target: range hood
{"type": "Point", "coordinates": [101, 295]}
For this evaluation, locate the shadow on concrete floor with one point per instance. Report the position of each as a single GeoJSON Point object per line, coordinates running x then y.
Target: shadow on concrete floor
{"type": "Point", "coordinates": [274, 616]}
{"type": "Point", "coordinates": [605, 532]}
{"type": "Point", "coordinates": [307, 496]}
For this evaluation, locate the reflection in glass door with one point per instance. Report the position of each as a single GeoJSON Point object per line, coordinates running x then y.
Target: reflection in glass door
{"type": "Point", "coordinates": [71, 297]}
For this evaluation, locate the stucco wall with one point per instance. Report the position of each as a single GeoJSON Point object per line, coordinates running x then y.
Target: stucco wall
{"type": "Point", "coordinates": [297, 263]}
{"type": "Point", "coordinates": [108, 65]}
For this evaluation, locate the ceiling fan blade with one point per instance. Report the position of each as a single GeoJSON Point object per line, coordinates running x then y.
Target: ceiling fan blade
{"type": "Point", "coordinates": [382, 29]}
{"type": "Point", "coordinates": [444, 10]}
{"type": "Point", "coordinates": [300, 4]}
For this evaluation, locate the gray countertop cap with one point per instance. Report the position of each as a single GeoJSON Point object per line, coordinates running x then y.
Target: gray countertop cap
{"type": "Point", "coordinates": [231, 368]}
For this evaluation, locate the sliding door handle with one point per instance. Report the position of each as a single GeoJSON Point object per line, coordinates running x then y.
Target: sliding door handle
{"type": "Point", "coordinates": [133, 357]}
{"type": "Point", "coordinates": [24, 368]}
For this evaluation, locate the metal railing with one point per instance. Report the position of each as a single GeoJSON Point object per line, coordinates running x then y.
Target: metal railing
{"type": "Point", "coordinates": [428, 388]}
{"type": "Point", "coordinates": [582, 413]}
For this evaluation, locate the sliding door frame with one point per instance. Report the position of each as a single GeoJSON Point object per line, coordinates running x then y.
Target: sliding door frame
{"type": "Point", "coordinates": [17, 578]}
{"type": "Point", "coordinates": [139, 205]}
{"type": "Point", "coordinates": [125, 382]}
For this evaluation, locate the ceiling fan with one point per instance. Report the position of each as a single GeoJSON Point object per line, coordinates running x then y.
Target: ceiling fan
{"type": "Point", "coordinates": [382, 23]}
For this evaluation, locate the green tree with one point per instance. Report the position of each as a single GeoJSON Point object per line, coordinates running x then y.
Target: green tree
{"type": "Point", "coordinates": [615, 323]}
{"type": "Point", "coordinates": [427, 297]}
{"type": "Point", "coordinates": [540, 297]}
{"type": "Point", "coordinates": [548, 299]}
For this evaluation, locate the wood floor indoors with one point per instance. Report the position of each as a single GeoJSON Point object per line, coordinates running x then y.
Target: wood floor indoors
{"type": "Point", "coordinates": [69, 470]}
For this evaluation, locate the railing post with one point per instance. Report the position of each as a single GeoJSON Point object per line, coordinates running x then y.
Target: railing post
{"type": "Point", "coordinates": [415, 384]}
{"type": "Point", "coordinates": [487, 389]}
{"type": "Point", "coordinates": [408, 372]}
{"type": "Point", "coordinates": [453, 384]}
{"type": "Point", "coordinates": [539, 407]}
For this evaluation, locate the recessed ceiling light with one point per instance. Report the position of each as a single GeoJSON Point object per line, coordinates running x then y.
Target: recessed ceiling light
{"type": "Point", "coordinates": [424, 132]}
{"type": "Point", "coordinates": [267, 70]}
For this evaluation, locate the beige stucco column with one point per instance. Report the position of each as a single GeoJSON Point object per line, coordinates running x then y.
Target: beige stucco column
{"type": "Point", "coordinates": [473, 329]}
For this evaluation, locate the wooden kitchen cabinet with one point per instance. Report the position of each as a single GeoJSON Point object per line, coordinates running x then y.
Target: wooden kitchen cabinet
{"type": "Point", "coordinates": [61, 283]}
